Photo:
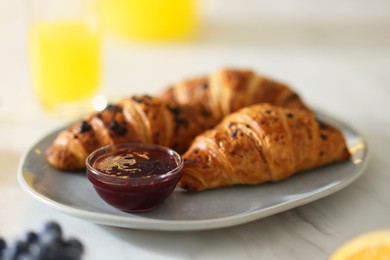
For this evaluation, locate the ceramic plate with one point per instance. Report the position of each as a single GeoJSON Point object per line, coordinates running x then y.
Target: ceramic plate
{"type": "Point", "coordinates": [72, 193]}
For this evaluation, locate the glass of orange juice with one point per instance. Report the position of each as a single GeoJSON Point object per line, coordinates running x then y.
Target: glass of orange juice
{"type": "Point", "coordinates": [150, 19]}
{"type": "Point", "coordinates": [65, 54]}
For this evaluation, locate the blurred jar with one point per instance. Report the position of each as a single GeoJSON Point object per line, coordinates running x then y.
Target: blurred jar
{"type": "Point", "coordinates": [65, 54]}
{"type": "Point", "coordinates": [150, 19]}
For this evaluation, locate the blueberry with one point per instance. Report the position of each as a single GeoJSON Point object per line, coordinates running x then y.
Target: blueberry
{"type": "Point", "coordinates": [53, 227]}
{"type": "Point", "coordinates": [3, 247]}
{"type": "Point", "coordinates": [14, 250]}
{"type": "Point", "coordinates": [50, 245]}
{"type": "Point", "coordinates": [30, 237]}
{"type": "Point", "coordinates": [49, 251]}
{"type": "Point", "coordinates": [74, 243]}
{"type": "Point", "coordinates": [3, 244]}
{"type": "Point", "coordinates": [49, 237]}
{"type": "Point", "coordinates": [34, 249]}
{"type": "Point", "coordinates": [73, 249]}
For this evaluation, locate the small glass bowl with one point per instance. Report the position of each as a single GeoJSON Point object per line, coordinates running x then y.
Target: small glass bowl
{"type": "Point", "coordinates": [134, 177]}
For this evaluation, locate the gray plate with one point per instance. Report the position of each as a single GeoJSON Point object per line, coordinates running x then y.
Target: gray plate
{"type": "Point", "coordinates": [72, 193]}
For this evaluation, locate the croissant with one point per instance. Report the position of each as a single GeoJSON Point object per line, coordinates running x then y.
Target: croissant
{"type": "Point", "coordinates": [173, 119]}
{"type": "Point", "coordinates": [260, 143]}
{"type": "Point", "coordinates": [142, 119]}
{"type": "Point", "coordinates": [227, 90]}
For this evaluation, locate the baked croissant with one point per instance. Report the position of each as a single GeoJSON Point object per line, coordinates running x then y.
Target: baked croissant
{"type": "Point", "coordinates": [260, 143]}
{"type": "Point", "coordinates": [142, 119]}
{"type": "Point", "coordinates": [173, 119]}
{"type": "Point", "coordinates": [227, 90]}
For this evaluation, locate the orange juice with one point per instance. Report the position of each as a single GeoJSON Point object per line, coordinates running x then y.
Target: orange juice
{"type": "Point", "coordinates": [150, 19]}
{"type": "Point", "coordinates": [65, 60]}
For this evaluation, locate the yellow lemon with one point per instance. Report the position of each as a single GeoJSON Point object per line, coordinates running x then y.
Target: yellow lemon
{"type": "Point", "coordinates": [374, 245]}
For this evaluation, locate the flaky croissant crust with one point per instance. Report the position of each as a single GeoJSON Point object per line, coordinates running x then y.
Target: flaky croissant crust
{"type": "Point", "coordinates": [258, 144]}
{"type": "Point", "coordinates": [143, 119]}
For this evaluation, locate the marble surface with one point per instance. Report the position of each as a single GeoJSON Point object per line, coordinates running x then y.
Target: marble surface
{"type": "Point", "coordinates": [336, 54]}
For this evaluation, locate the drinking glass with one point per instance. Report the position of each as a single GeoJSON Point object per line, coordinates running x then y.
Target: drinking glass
{"type": "Point", "coordinates": [65, 54]}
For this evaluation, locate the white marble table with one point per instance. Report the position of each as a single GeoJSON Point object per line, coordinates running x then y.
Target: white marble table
{"type": "Point", "coordinates": [336, 54]}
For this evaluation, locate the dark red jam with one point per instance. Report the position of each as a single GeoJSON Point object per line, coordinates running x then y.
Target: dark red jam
{"type": "Point", "coordinates": [134, 177]}
{"type": "Point", "coordinates": [135, 163]}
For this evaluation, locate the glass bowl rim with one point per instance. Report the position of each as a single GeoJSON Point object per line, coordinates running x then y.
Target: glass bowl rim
{"type": "Point", "coordinates": [102, 177]}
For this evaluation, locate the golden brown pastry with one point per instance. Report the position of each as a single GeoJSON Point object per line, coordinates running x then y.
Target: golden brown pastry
{"type": "Point", "coordinates": [173, 119]}
{"type": "Point", "coordinates": [227, 90]}
{"type": "Point", "coordinates": [142, 119]}
{"type": "Point", "coordinates": [258, 144]}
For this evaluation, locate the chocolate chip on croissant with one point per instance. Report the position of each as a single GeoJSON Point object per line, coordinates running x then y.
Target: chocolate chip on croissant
{"type": "Point", "coordinates": [260, 143]}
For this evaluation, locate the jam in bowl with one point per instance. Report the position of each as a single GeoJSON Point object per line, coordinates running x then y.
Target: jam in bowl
{"type": "Point", "coordinates": [134, 177]}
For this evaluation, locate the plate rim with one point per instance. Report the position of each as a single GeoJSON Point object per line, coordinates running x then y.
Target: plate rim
{"type": "Point", "coordinates": [202, 224]}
